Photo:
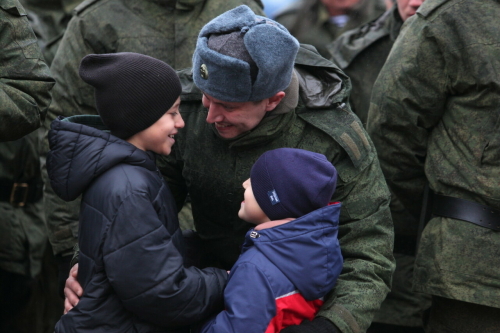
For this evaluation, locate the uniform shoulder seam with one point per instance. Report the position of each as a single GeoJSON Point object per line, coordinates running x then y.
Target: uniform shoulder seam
{"type": "Point", "coordinates": [428, 7]}
{"type": "Point", "coordinates": [84, 5]}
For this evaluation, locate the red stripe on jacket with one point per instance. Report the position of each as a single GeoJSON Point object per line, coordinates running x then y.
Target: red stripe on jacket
{"type": "Point", "coordinates": [292, 309]}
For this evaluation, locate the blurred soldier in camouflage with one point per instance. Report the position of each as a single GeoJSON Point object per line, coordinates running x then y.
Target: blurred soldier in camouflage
{"type": "Point", "coordinates": [25, 85]}
{"type": "Point", "coordinates": [166, 30]}
{"type": "Point", "coordinates": [49, 19]}
{"type": "Point", "coordinates": [361, 53]}
{"type": "Point", "coordinates": [319, 22]}
{"type": "Point", "coordinates": [25, 79]}
{"type": "Point", "coordinates": [435, 115]}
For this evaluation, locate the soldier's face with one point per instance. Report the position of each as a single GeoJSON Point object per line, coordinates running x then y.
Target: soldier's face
{"type": "Point", "coordinates": [234, 118]}
{"type": "Point", "coordinates": [408, 8]}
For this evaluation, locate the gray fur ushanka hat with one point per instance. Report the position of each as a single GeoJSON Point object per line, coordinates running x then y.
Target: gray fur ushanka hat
{"type": "Point", "coordinates": [270, 46]}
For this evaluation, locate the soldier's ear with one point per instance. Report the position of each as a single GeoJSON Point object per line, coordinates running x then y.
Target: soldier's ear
{"type": "Point", "coordinates": [273, 101]}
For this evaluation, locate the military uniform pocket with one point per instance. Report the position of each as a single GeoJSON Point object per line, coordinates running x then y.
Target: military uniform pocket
{"type": "Point", "coordinates": [18, 36]}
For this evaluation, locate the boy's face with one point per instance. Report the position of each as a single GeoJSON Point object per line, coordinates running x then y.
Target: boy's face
{"type": "Point", "coordinates": [250, 210]}
{"type": "Point", "coordinates": [159, 137]}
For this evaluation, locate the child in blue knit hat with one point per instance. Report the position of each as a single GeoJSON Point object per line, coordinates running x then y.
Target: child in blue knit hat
{"type": "Point", "coordinates": [292, 258]}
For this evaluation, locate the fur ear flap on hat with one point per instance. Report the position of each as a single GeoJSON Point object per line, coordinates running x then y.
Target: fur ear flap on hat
{"type": "Point", "coordinates": [270, 45]}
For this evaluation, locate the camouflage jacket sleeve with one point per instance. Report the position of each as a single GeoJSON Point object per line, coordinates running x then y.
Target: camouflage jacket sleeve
{"type": "Point", "coordinates": [408, 100]}
{"type": "Point", "coordinates": [366, 238]}
{"type": "Point", "coordinates": [25, 80]}
{"type": "Point", "coordinates": [71, 97]}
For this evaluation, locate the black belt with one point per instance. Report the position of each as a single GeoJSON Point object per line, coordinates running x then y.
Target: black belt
{"type": "Point", "coordinates": [20, 193]}
{"type": "Point", "coordinates": [466, 210]}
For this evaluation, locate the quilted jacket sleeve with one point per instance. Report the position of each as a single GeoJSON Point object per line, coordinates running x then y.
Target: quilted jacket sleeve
{"type": "Point", "coordinates": [146, 269]}
{"type": "Point", "coordinates": [248, 309]}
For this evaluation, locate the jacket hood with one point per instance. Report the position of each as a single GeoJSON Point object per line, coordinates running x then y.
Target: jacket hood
{"type": "Point", "coordinates": [81, 149]}
{"type": "Point", "coordinates": [306, 250]}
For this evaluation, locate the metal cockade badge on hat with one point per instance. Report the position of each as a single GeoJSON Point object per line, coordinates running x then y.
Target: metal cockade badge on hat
{"type": "Point", "coordinates": [204, 71]}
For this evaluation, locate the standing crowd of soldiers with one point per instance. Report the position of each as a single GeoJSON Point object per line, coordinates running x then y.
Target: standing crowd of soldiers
{"type": "Point", "coordinates": [402, 96]}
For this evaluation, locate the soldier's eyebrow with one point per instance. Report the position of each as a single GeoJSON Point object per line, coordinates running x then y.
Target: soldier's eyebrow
{"type": "Point", "coordinates": [221, 103]}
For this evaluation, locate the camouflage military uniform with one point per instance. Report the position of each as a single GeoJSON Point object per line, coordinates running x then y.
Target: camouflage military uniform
{"type": "Point", "coordinates": [212, 169]}
{"type": "Point", "coordinates": [49, 19]}
{"type": "Point", "coordinates": [361, 53]}
{"type": "Point", "coordinates": [166, 30]}
{"type": "Point", "coordinates": [25, 81]}
{"type": "Point", "coordinates": [22, 225]}
{"type": "Point", "coordinates": [309, 21]}
{"type": "Point", "coordinates": [435, 110]}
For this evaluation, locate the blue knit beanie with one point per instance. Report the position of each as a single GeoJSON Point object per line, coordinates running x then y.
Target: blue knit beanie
{"type": "Point", "coordinates": [289, 182]}
{"type": "Point", "coordinates": [256, 70]}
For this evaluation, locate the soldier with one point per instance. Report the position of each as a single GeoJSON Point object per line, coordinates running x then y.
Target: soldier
{"type": "Point", "coordinates": [25, 79]}
{"type": "Point", "coordinates": [319, 22]}
{"type": "Point", "coordinates": [165, 30]}
{"type": "Point", "coordinates": [49, 19]}
{"type": "Point", "coordinates": [25, 85]}
{"type": "Point", "coordinates": [435, 111]}
{"type": "Point", "coordinates": [361, 53]}
{"type": "Point", "coordinates": [245, 100]}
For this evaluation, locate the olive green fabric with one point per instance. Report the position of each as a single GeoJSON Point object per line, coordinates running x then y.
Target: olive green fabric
{"type": "Point", "coordinates": [213, 169]}
{"type": "Point", "coordinates": [435, 110]}
{"type": "Point", "coordinates": [25, 80]}
{"type": "Point", "coordinates": [166, 30]}
{"type": "Point", "coordinates": [361, 53]}
{"type": "Point", "coordinates": [49, 19]}
{"type": "Point", "coordinates": [308, 21]}
{"type": "Point", "coordinates": [22, 229]}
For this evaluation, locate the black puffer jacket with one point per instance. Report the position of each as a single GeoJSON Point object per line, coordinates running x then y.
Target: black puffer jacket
{"type": "Point", "coordinates": [131, 248]}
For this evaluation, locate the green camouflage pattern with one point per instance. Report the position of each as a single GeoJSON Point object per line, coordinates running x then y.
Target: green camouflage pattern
{"type": "Point", "coordinates": [213, 169]}
{"type": "Point", "coordinates": [25, 80]}
{"type": "Point", "coordinates": [435, 110]}
{"type": "Point", "coordinates": [361, 53]}
{"type": "Point", "coordinates": [22, 229]}
{"type": "Point", "coordinates": [49, 19]}
{"type": "Point", "coordinates": [166, 30]}
{"type": "Point", "coordinates": [308, 21]}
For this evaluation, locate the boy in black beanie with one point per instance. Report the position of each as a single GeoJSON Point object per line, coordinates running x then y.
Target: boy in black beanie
{"type": "Point", "coordinates": [292, 258]}
{"type": "Point", "coordinates": [131, 263]}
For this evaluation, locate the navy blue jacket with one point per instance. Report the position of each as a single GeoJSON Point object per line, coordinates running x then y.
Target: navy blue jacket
{"type": "Point", "coordinates": [131, 248]}
{"type": "Point", "coordinates": [282, 275]}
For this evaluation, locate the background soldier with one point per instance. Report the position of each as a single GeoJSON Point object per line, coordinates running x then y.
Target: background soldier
{"type": "Point", "coordinates": [49, 19]}
{"type": "Point", "coordinates": [361, 53]}
{"type": "Point", "coordinates": [25, 80]}
{"type": "Point", "coordinates": [435, 111]}
{"type": "Point", "coordinates": [319, 22]}
{"type": "Point", "coordinates": [25, 85]}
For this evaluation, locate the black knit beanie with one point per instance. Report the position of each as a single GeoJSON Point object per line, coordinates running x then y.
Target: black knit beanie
{"type": "Point", "coordinates": [132, 91]}
{"type": "Point", "coordinates": [290, 182]}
